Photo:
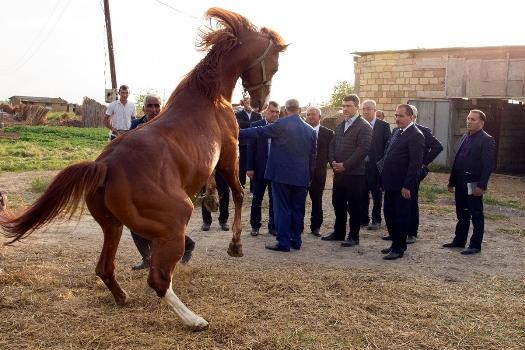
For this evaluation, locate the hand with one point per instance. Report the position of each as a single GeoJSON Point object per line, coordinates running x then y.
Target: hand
{"type": "Point", "coordinates": [451, 189]}
{"type": "Point", "coordinates": [477, 192]}
{"type": "Point", "coordinates": [250, 173]}
{"type": "Point", "coordinates": [338, 167]}
{"type": "Point", "coordinates": [405, 192]}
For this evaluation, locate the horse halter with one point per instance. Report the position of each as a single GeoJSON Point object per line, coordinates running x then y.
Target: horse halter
{"type": "Point", "coordinates": [260, 60]}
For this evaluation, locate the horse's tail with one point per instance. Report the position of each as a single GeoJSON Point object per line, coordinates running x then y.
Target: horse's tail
{"type": "Point", "coordinates": [66, 192]}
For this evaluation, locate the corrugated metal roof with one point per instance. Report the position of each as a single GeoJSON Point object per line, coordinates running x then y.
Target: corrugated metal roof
{"type": "Point", "coordinates": [508, 47]}
{"type": "Point", "coordinates": [54, 100]}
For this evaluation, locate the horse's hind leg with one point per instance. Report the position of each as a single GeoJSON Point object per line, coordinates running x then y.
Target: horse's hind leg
{"type": "Point", "coordinates": [165, 252]}
{"type": "Point", "coordinates": [228, 167]}
{"type": "Point", "coordinates": [112, 229]}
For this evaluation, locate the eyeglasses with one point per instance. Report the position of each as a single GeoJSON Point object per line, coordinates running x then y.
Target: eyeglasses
{"type": "Point", "coordinates": [400, 115]}
{"type": "Point", "coordinates": [156, 105]}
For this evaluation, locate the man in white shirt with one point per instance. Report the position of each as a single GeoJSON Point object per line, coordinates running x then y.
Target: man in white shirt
{"type": "Point", "coordinates": [120, 113]}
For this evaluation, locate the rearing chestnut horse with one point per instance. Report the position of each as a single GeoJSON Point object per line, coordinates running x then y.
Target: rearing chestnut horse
{"type": "Point", "coordinates": [145, 178]}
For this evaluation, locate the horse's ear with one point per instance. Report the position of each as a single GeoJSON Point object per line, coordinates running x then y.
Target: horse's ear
{"type": "Point", "coordinates": [282, 48]}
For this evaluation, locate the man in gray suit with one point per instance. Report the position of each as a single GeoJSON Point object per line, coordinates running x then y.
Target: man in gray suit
{"type": "Point", "coordinates": [347, 153]}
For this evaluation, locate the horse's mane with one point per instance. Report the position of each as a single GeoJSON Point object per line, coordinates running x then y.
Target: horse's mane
{"type": "Point", "coordinates": [218, 41]}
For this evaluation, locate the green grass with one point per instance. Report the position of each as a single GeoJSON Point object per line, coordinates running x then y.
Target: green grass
{"type": "Point", "coordinates": [430, 193]}
{"type": "Point", "coordinates": [40, 184]}
{"type": "Point", "coordinates": [50, 147]}
{"type": "Point", "coordinates": [503, 202]}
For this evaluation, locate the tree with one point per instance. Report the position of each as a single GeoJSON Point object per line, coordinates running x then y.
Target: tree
{"type": "Point", "coordinates": [341, 89]}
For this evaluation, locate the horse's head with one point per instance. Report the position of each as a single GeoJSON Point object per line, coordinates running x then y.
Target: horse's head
{"type": "Point", "coordinates": [257, 77]}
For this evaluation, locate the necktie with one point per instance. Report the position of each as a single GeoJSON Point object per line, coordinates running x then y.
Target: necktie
{"type": "Point", "coordinates": [381, 163]}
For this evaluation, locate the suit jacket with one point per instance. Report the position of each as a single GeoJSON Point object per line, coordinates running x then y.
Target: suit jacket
{"type": "Point", "coordinates": [324, 137]}
{"type": "Point", "coordinates": [351, 147]}
{"type": "Point", "coordinates": [244, 121]}
{"type": "Point", "coordinates": [380, 136]}
{"type": "Point", "coordinates": [478, 163]}
{"type": "Point", "coordinates": [432, 145]}
{"type": "Point", "coordinates": [291, 160]}
{"type": "Point", "coordinates": [403, 160]}
{"type": "Point", "coordinates": [257, 154]}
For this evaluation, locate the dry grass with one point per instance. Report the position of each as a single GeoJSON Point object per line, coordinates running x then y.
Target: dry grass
{"type": "Point", "coordinates": [52, 299]}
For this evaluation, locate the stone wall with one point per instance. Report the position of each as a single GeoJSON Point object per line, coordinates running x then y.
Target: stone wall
{"type": "Point", "coordinates": [391, 78]}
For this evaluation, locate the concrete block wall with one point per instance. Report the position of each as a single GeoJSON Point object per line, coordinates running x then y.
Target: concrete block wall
{"type": "Point", "coordinates": [395, 77]}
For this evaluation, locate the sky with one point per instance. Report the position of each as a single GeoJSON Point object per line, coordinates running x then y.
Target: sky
{"type": "Point", "coordinates": [58, 48]}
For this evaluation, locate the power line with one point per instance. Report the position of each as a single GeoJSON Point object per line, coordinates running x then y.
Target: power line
{"type": "Point", "coordinates": [24, 62]}
{"type": "Point", "coordinates": [177, 10]}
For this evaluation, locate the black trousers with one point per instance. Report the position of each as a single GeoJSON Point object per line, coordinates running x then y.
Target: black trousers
{"type": "Point", "coordinates": [468, 208]}
{"type": "Point", "coordinates": [316, 196]}
{"type": "Point", "coordinates": [144, 245]}
{"type": "Point", "coordinates": [373, 179]}
{"type": "Point", "coordinates": [224, 201]}
{"type": "Point", "coordinates": [397, 217]}
{"type": "Point", "coordinates": [259, 187]}
{"type": "Point", "coordinates": [242, 164]}
{"type": "Point", "coordinates": [347, 197]}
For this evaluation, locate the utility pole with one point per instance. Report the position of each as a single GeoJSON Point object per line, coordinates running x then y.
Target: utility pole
{"type": "Point", "coordinates": [113, 94]}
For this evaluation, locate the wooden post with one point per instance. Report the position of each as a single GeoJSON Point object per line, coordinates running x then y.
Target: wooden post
{"type": "Point", "coordinates": [110, 46]}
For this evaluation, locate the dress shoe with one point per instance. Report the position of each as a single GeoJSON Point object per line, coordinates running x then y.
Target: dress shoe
{"type": "Point", "coordinates": [315, 232]}
{"type": "Point", "coordinates": [295, 246]}
{"type": "Point", "coordinates": [386, 250]}
{"type": "Point", "coordinates": [374, 226]}
{"type": "Point", "coordinates": [364, 224]}
{"type": "Point", "coordinates": [470, 251]}
{"type": "Point", "coordinates": [386, 238]}
{"type": "Point", "coordinates": [411, 239]}
{"type": "Point", "coordinates": [349, 243]}
{"type": "Point", "coordinates": [205, 227]}
{"type": "Point", "coordinates": [453, 245]}
{"type": "Point", "coordinates": [332, 237]}
{"type": "Point", "coordinates": [144, 264]}
{"type": "Point", "coordinates": [254, 232]}
{"type": "Point", "coordinates": [186, 257]}
{"type": "Point", "coordinates": [393, 256]}
{"type": "Point", "coordinates": [273, 232]}
{"type": "Point", "coordinates": [224, 226]}
{"type": "Point", "coordinates": [277, 248]}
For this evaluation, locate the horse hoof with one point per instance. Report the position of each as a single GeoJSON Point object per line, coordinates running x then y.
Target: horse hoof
{"type": "Point", "coordinates": [235, 250]}
{"type": "Point", "coordinates": [200, 325]}
{"type": "Point", "coordinates": [122, 300]}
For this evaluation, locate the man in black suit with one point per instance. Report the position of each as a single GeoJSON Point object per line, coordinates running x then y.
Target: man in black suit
{"type": "Point", "coordinates": [380, 136]}
{"type": "Point", "coordinates": [432, 149]}
{"type": "Point", "coordinates": [316, 189]}
{"type": "Point", "coordinates": [245, 117]}
{"type": "Point", "coordinates": [473, 164]}
{"type": "Point", "coordinates": [399, 174]}
{"type": "Point", "coordinates": [348, 150]}
{"type": "Point", "coordinates": [256, 159]}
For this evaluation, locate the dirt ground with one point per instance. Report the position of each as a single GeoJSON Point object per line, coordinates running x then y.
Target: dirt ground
{"type": "Point", "coordinates": [503, 247]}
{"type": "Point", "coordinates": [78, 244]}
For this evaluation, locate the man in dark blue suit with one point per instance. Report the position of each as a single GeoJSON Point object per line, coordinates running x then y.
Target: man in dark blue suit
{"type": "Point", "coordinates": [256, 159]}
{"type": "Point", "coordinates": [473, 164]}
{"type": "Point", "coordinates": [245, 117]}
{"type": "Point", "coordinates": [380, 136]}
{"type": "Point", "coordinates": [399, 174]}
{"type": "Point", "coordinates": [432, 149]}
{"type": "Point", "coordinates": [290, 168]}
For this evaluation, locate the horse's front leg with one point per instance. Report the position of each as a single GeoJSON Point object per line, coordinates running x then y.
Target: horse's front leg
{"type": "Point", "coordinates": [228, 167]}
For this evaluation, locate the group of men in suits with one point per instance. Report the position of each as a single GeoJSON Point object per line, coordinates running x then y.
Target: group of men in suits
{"type": "Point", "coordinates": [367, 159]}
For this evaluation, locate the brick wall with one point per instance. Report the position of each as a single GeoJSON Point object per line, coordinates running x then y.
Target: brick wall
{"type": "Point", "coordinates": [396, 77]}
